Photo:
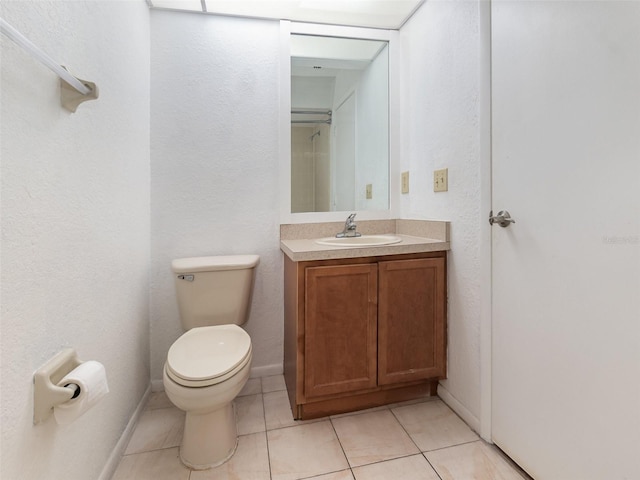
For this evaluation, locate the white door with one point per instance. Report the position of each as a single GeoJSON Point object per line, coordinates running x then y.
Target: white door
{"type": "Point", "coordinates": [566, 275]}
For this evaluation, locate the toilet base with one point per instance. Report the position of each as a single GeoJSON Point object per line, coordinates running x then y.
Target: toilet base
{"type": "Point", "coordinates": [209, 439]}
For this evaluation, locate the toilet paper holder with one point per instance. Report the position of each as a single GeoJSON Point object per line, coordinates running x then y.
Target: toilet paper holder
{"type": "Point", "coordinates": [46, 393]}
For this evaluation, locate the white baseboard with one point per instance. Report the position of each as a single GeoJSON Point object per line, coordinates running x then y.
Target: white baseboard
{"type": "Point", "coordinates": [116, 454]}
{"type": "Point", "coordinates": [460, 409]}
{"type": "Point", "coordinates": [266, 371]}
{"type": "Point", "coordinates": [256, 372]}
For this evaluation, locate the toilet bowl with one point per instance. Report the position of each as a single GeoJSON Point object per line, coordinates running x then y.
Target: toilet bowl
{"type": "Point", "coordinates": [205, 370]}
{"type": "Point", "coordinates": [207, 367]}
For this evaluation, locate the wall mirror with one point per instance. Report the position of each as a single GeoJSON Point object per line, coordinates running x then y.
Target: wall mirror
{"type": "Point", "coordinates": [339, 124]}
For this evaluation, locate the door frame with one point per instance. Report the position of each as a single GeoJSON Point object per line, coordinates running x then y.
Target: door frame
{"type": "Point", "coordinates": [486, 290]}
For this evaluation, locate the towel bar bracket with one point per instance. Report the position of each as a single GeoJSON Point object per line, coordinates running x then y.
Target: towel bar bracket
{"type": "Point", "coordinates": [70, 98]}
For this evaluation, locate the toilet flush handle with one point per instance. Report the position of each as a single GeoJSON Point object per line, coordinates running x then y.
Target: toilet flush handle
{"type": "Point", "coordinates": [188, 278]}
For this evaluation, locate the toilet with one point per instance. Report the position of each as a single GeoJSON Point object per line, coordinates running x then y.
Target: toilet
{"type": "Point", "coordinates": [209, 364]}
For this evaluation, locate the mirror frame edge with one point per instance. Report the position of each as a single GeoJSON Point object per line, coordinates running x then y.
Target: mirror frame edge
{"type": "Point", "coordinates": [392, 37]}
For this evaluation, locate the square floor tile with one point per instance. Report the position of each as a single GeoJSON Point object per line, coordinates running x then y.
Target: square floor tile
{"type": "Point", "coordinates": [159, 464]}
{"type": "Point", "coordinates": [305, 451]}
{"type": "Point", "coordinates": [249, 414]}
{"type": "Point", "coordinates": [252, 387]}
{"type": "Point", "coordinates": [373, 437]}
{"type": "Point", "coordinates": [475, 460]}
{"type": "Point", "coordinates": [433, 425]}
{"type": "Point", "coordinates": [414, 467]}
{"type": "Point", "coordinates": [156, 429]}
{"type": "Point", "coordinates": [273, 383]}
{"type": "Point", "coordinates": [250, 462]}
{"type": "Point", "coordinates": [277, 411]}
{"type": "Point", "coordinates": [375, 442]}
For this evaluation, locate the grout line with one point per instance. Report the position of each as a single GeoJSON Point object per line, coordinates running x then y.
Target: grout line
{"type": "Point", "coordinates": [266, 436]}
{"type": "Point", "coordinates": [405, 430]}
{"type": "Point", "coordinates": [414, 442]}
{"type": "Point", "coordinates": [431, 465]}
{"type": "Point", "coordinates": [451, 446]}
{"type": "Point", "coordinates": [390, 459]}
{"type": "Point", "coordinates": [328, 473]}
{"type": "Point", "coordinates": [299, 423]}
{"type": "Point", "coordinates": [341, 447]}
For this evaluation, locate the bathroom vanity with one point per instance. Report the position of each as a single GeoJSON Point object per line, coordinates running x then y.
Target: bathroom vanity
{"type": "Point", "coordinates": [363, 326]}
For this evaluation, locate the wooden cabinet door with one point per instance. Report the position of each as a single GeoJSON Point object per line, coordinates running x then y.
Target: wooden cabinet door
{"type": "Point", "coordinates": [411, 320]}
{"type": "Point", "coordinates": [340, 329]}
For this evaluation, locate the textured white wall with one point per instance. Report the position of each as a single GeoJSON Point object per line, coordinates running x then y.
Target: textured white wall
{"type": "Point", "coordinates": [214, 165]}
{"type": "Point", "coordinates": [440, 88]}
{"type": "Point", "coordinates": [311, 92]}
{"type": "Point", "coordinates": [75, 227]}
{"type": "Point", "coordinates": [372, 135]}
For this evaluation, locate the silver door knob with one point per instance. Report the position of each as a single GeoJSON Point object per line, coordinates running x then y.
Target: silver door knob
{"type": "Point", "coordinates": [502, 218]}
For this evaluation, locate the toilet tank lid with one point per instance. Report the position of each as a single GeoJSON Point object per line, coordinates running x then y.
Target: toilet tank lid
{"type": "Point", "coordinates": [215, 263]}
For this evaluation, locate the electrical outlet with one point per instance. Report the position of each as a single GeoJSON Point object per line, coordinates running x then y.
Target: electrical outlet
{"type": "Point", "coordinates": [369, 191]}
{"type": "Point", "coordinates": [405, 182]}
{"type": "Point", "coordinates": [441, 180]}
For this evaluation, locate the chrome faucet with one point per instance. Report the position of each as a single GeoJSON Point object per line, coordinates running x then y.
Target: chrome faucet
{"type": "Point", "coordinates": [349, 228]}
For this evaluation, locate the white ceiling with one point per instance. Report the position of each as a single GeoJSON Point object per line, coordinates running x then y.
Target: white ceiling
{"type": "Point", "coordinates": [320, 56]}
{"type": "Point", "coordinates": [386, 14]}
{"type": "Point", "coordinates": [311, 46]}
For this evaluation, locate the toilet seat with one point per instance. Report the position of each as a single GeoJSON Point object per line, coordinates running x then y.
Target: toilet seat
{"type": "Point", "coordinates": [205, 356]}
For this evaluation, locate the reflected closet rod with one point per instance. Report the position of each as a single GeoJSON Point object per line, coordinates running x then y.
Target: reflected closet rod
{"type": "Point", "coordinates": [327, 113]}
{"type": "Point", "coordinates": [311, 112]}
{"type": "Point", "coordinates": [87, 90]}
{"type": "Point", "coordinates": [328, 122]}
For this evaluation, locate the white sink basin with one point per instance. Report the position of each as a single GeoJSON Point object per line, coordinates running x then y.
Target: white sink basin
{"type": "Point", "coordinates": [363, 241]}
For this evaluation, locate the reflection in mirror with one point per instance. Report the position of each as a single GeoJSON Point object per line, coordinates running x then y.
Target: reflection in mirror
{"type": "Point", "coordinates": [339, 124]}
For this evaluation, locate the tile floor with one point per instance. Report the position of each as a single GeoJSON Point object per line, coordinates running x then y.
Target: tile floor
{"type": "Point", "coordinates": [411, 441]}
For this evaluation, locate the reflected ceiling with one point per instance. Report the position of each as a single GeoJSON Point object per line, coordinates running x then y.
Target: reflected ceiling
{"type": "Point", "coordinates": [386, 14]}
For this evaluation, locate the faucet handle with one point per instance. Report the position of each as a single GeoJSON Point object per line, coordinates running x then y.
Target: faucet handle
{"type": "Point", "coordinates": [349, 228]}
{"type": "Point", "coordinates": [350, 223]}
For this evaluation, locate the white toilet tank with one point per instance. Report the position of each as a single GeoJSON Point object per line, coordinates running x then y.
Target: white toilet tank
{"type": "Point", "coordinates": [214, 290]}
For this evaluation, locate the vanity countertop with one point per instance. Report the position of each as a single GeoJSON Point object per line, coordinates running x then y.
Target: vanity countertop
{"type": "Point", "coordinates": [297, 241]}
{"type": "Point", "coordinates": [300, 250]}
